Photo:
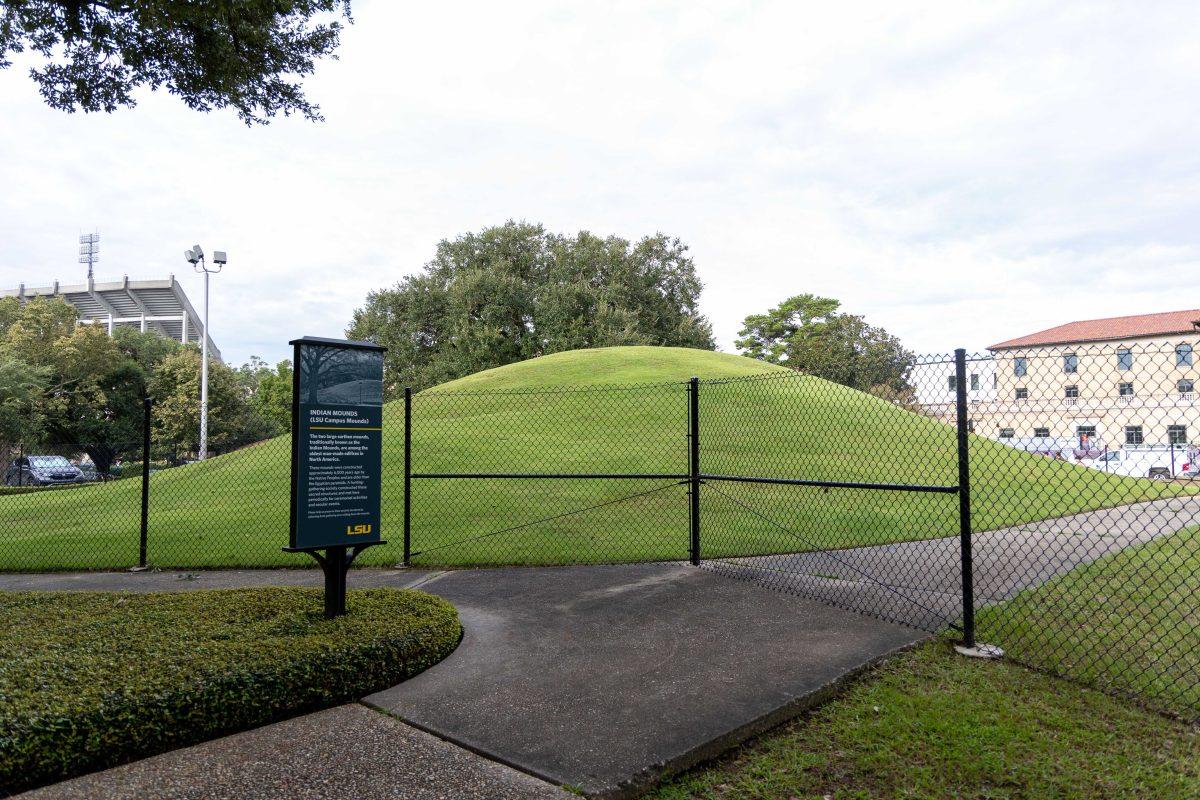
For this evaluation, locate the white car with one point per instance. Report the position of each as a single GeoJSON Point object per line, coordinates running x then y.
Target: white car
{"type": "Point", "coordinates": [1163, 463]}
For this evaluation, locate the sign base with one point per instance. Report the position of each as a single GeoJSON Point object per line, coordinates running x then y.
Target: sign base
{"type": "Point", "coordinates": [334, 563]}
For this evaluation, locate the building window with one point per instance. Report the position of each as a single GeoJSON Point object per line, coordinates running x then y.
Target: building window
{"type": "Point", "coordinates": [1022, 394]}
{"type": "Point", "coordinates": [1125, 389]}
{"type": "Point", "coordinates": [1185, 386]}
{"type": "Point", "coordinates": [1086, 434]}
{"type": "Point", "coordinates": [1071, 392]}
{"type": "Point", "coordinates": [1177, 434]}
{"type": "Point", "coordinates": [1124, 358]}
{"type": "Point", "coordinates": [974, 383]}
{"type": "Point", "coordinates": [952, 382]}
{"type": "Point", "coordinates": [1020, 366]}
{"type": "Point", "coordinates": [1007, 433]}
{"type": "Point", "coordinates": [1070, 363]}
{"type": "Point", "coordinates": [1133, 434]}
{"type": "Point", "coordinates": [1183, 355]}
{"type": "Point", "coordinates": [1041, 433]}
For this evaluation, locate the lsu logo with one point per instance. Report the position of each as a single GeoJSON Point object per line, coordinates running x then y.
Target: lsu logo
{"type": "Point", "coordinates": [357, 530]}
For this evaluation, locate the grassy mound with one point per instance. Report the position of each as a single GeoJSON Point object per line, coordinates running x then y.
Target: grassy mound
{"type": "Point", "coordinates": [232, 510]}
{"type": "Point", "coordinates": [88, 680]}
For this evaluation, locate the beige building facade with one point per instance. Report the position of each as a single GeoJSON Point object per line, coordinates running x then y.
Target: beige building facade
{"type": "Point", "coordinates": [1116, 382]}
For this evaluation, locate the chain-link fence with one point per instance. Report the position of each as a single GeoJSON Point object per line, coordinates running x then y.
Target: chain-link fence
{"type": "Point", "coordinates": [1039, 499]}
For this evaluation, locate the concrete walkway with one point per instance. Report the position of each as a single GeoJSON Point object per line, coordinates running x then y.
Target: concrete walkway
{"type": "Point", "coordinates": [604, 678]}
{"type": "Point", "coordinates": [597, 678]}
{"type": "Point", "coordinates": [346, 752]}
{"type": "Point", "coordinates": [920, 583]}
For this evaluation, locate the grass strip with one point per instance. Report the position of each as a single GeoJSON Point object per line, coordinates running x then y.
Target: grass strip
{"type": "Point", "coordinates": [932, 724]}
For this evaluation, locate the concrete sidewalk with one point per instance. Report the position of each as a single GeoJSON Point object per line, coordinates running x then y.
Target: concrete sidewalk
{"type": "Point", "coordinates": [605, 678]}
{"type": "Point", "coordinates": [598, 678]}
{"type": "Point", "coordinates": [346, 752]}
{"type": "Point", "coordinates": [920, 583]}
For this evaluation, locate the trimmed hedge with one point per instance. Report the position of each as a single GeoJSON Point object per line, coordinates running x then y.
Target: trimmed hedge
{"type": "Point", "coordinates": [93, 679]}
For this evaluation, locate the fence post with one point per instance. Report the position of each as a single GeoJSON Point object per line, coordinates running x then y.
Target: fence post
{"type": "Point", "coordinates": [407, 475]}
{"type": "Point", "coordinates": [964, 498]}
{"type": "Point", "coordinates": [145, 529]}
{"type": "Point", "coordinates": [694, 467]}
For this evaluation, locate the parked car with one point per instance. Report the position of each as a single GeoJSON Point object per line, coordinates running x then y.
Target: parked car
{"type": "Point", "coordinates": [42, 471]}
{"type": "Point", "coordinates": [1160, 462]}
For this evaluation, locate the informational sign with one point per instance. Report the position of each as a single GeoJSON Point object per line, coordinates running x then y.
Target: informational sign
{"type": "Point", "coordinates": [337, 438]}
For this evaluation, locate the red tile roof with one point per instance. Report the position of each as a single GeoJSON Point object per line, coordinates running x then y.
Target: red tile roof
{"type": "Point", "coordinates": [1113, 328]}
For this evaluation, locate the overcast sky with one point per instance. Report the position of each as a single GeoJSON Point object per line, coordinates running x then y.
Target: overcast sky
{"type": "Point", "coordinates": [958, 173]}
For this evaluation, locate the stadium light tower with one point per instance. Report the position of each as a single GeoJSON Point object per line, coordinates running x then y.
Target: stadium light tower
{"type": "Point", "coordinates": [195, 257]}
{"type": "Point", "coordinates": [89, 251]}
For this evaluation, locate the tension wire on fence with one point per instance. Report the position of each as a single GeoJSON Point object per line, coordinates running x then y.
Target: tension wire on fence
{"type": "Point", "coordinates": [826, 553]}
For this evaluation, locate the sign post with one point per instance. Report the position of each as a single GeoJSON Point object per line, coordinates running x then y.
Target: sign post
{"type": "Point", "coordinates": [337, 438]}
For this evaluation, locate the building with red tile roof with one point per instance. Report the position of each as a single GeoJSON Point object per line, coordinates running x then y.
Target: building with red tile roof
{"type": "Point", "coordinates": [1110, 329]}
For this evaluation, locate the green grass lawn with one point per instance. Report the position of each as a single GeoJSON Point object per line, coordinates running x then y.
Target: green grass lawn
{"type": "Point", "coordinates": [233, 509]}
{"type": "Point", "coordinates": [90, 679]}
{"type": "Point", "coordinates": [931, 724]}
{"type": "Point", "coordinates": [1128, 623]}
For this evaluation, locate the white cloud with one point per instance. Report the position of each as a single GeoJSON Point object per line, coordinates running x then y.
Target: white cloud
{"type": "Point", "coordinates": [959, 174]}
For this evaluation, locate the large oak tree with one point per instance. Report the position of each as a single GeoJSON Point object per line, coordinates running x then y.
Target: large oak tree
{"type": "Point", "coordinates": [243, 54]}
{"type": "Point", "coordinates": [516, 291]}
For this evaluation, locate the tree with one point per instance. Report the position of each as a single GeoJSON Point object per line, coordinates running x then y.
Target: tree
{"type": "Point", "coordinates": [90, 390]}
{"type": "Point", "coordinates": [244, 54]}
{"type": "Point", "coordinates": [147, 348]}
{"type": "Point", "coordinates": [269, 392]}
{"type": "Point", "coordinates": [809, 334]}
{"type": "Point", "coordinates": [21, 387]}
{"type": "Point", "coordinates": [175, 387]}
{"type": "Point", "coordinates": [273, 398]}
{"type": "Point", "coordinates": [515, 291]}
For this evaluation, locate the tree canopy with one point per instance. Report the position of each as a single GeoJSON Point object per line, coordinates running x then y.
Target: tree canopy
{"type": "Point", "coordinates": [71, 388]}
{"type": "Point", "coordinates": [244, 54]}
{"type": "Point", "coordinates": [809, 333]}
{"type": "Point", "coordinates": [516, 291]}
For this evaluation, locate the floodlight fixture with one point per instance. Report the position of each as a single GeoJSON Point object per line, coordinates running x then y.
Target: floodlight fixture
{"type": "Point", "coordinates": [89, 250]}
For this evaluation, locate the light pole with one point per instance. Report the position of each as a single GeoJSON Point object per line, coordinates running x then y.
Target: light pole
{"type": "Point", "coordinates": [195, 257]}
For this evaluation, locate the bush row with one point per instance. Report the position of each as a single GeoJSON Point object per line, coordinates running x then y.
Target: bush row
{"type": "Point", "coordinates": [89, 680]}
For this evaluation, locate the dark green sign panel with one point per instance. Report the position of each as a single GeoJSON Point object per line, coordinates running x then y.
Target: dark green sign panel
{"type": "Point", "coordinates": [337, 438]}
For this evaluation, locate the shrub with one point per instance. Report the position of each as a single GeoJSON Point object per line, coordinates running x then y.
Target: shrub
{"type": "Point", "coordinates": [93, 679]}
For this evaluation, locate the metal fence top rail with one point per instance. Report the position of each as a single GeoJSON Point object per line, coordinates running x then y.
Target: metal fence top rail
{"type": "Point", "coordinates": [554, 475]}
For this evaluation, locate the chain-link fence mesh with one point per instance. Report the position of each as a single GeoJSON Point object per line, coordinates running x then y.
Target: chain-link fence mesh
{"type": "Point", "coordinates": [816, 489]}
{"type": "Point", "coordinates": [1091, 568]}
{"type": "Point", "coordinates": [70, 505]}
{"type": "Point", "coordinates": [550, 476]}
{"type": "Point", "coordinates": [1083, 517]}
